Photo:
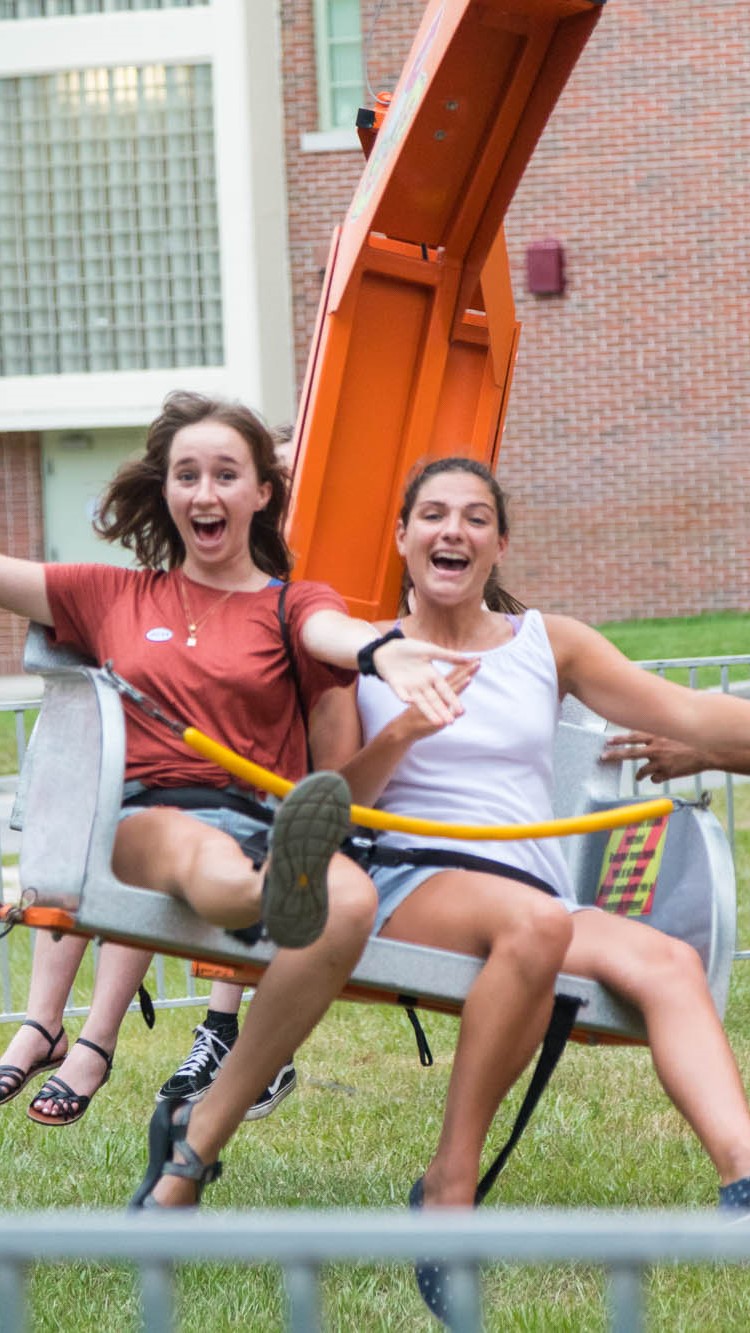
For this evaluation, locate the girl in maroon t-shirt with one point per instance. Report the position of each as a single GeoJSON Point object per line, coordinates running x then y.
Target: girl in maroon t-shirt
{"type": "Point", "coordinates": [196, 628]}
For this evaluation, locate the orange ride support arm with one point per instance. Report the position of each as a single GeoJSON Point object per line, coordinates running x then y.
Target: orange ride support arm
{"type": "Point", "coordinates": [416, 333]}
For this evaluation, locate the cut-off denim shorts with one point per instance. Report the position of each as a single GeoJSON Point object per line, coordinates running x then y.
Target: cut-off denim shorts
{"type": "Point", "coordinates": [395, 883]}
{"type": "Point", "coordinates": [238, 825]}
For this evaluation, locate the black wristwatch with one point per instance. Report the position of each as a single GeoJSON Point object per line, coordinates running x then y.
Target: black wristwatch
{"type": "Point", "coordinates": [366, 655]}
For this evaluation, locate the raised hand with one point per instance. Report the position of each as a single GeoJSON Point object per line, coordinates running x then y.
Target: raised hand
{"type": "Point", "coordinates": [407, 665]}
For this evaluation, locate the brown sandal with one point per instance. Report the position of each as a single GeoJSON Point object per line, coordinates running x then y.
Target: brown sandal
{"type": "Point", "coordinates": [16, 1078]}
{"type": "Point", "coordinates": [59, 1092]}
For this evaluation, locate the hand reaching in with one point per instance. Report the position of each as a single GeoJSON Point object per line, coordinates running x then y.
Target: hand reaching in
{"type": "Point", "coordinates": [659, 758]}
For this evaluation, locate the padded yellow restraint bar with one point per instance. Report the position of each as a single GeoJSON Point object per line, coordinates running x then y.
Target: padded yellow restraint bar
{"type": "Point", "coordinates": [432, 828]}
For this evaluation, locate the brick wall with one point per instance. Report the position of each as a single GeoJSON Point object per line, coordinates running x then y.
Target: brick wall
{"type": "Point", "coordinates": [626, 440]}
{"type": "Point", "coordinates": [623, 451]}
{"type": "Point", "coordinates": [320, 185]}
{"type": "Point", "coordinates": [20, 526]}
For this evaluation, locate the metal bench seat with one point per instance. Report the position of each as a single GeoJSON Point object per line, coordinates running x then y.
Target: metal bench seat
{"type": "Point", "coordinates": [69, 798]}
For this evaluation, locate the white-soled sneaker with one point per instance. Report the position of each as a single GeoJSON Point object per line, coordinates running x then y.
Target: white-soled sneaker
{"type": "Point", "coordinates": [195, 1075]}
{"type": "Point", "coordinates": [279, 1088]}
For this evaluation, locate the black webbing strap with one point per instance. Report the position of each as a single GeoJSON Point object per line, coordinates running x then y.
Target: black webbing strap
{"type": "Point", "coordinates": [423, 1046]}
{"type": "Point", "coordinates": [147, 1006]}
{"type": "Point", "coordinates": [561, 1024]}
{"type": "Point", "coordinates": [286, 639]}
{"type": "Point", "coordinates": [202, 798]}
{"type": "Point", "coordinates": [369, 853]}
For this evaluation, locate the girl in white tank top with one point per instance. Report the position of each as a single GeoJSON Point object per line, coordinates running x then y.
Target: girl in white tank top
{"type": "Point", "coordinates": [493, 765]}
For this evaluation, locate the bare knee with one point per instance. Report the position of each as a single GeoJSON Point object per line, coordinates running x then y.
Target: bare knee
{"type": "Point", "coordinates": [352, 899]}
{"type": "Point", "coordinates": [224, 886]}
{"type": "Point", "coordinates": [538, 938]}
{"type": "Point", "coordinates": [673, 965]}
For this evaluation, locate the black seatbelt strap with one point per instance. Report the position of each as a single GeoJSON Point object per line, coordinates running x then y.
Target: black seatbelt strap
{"type": "Point", "coordinates": [286, 639]}
{"type": "Point", "coordinates": [147, 1006]}
{"type": "Point", "coordinates": [423, 1046]}
{"type": "Point", "coordinates": [561, 1024]}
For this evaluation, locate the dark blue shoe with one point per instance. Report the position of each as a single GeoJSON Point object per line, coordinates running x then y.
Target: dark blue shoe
{"type": "Point", "coordinates": [433, 1280]}
{"type": "Point", "coordinates": [736, 1196]}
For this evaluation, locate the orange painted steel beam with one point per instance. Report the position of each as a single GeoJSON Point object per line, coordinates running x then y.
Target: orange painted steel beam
{"type": "Point", "coordinates": [416, 334]}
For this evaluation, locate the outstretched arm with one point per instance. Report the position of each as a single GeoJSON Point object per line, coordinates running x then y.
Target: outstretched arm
{"type": "Point", "coordinates": [405, 664]}
{"type": "Point", "coordinates": [714, 727]}
{"type": "Point", "coordinates": [662, 759]}
{"type": "Point", "coordinates": [23, 589]}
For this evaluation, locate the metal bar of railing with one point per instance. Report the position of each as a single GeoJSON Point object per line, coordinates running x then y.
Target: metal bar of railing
{"type": "Point", "coordinates": [624, 1244]}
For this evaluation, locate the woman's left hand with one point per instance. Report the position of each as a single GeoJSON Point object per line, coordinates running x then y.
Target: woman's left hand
{"type": "Point", "coordinates": [407, 666]}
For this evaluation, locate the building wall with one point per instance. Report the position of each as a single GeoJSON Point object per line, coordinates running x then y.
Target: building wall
{"type": "Point", "coordinates": [624, 444]}
{"type": "Point", "coordinates": [20, 525]}
{"type": "Point", "coordinates": [321, 181]}
{"type": "Point", "coordinates": [625, 450]}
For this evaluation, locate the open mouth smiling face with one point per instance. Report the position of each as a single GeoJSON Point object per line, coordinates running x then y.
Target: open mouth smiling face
{"type": "Point", "coordinates": [208, 530]}
{"type": "Point", "coordinates": [213, 492]}
{"type": "Point", "coordinates": [449, 562]}
{"type": "Point", "coordinates": [451, 540]}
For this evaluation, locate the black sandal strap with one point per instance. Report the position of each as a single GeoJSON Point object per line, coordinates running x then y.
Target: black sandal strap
{"type": "Point", "coordinates": [197, 1170]}
{"type": "Point", "coordinates": [106, 1057]}
{"type": "Point", "coordinates": [55, 1089]}
{"type": "Point", "coordinates": [12, 1072]}
{"type": "Point", "coordinates": [32, 1023]}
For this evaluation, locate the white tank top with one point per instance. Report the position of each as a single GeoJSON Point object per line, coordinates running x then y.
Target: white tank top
{"type": "Point", "coordinates": [493, 765]}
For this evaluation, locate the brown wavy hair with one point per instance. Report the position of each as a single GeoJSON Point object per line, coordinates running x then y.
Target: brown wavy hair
{"type": "Point", "coordinates": [134, 512]}
{"type": "Point", "coordinates": [495, 596]}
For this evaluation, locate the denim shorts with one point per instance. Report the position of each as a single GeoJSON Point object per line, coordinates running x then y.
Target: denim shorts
{"type": "Point", "coordinates": [239, 826]}
{"type": "Point", "coordinates": [395, 883]}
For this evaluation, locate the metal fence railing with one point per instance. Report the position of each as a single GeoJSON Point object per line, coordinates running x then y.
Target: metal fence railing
{"type": "Point", "coordinates": [626, 1245]}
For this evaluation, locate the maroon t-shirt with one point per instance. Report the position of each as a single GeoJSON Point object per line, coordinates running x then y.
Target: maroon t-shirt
{"type": "Point", "coordinates": [234, 684]}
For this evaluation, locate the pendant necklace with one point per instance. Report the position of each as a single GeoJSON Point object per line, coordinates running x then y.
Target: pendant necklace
{"type": "Point", "coordinates": [194, 625]}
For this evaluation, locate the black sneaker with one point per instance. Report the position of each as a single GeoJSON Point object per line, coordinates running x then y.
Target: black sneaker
{"type": "Point", "coordinates": [196, 1074]}
{"type": "Point", "coordinates": [279, 1088]}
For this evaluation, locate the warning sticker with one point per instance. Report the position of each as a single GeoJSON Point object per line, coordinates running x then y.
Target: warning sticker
{"type": "Point", "coordinates": [630, 868]}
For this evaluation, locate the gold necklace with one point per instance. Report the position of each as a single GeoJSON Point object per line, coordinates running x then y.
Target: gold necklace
{"type": "Point", "coordinates": [194, 625]}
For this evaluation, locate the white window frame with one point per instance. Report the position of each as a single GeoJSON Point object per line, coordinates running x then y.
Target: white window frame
{"type": "Point", "coordinates": [251, 198]}
{"type": "Point", "coordinates": [323, 41]}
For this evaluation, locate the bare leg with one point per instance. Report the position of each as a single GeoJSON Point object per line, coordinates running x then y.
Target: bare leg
{"type": "Point", "coordinates": [168, 850]}
{"type": "Point", "coordinates": [294, 993]}
{"type": "Point", "coordinates": [523, 934]}
{"type": "Point", "coordinates": [225, 996]}
{"type": "Point", "coordinates": [118, 976]}
{"type": "Point", "coordinates": [664, 978]}
{"type": "Point", "coordinates": [52, 974]}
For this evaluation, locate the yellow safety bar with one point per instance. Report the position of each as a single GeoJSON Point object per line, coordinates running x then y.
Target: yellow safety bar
{"type": "Point", "coordinates": [262, 778]}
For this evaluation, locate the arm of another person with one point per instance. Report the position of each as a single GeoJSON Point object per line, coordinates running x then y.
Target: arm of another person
{"type": "Point", "coordinates": [714, 726]}
{"type": "Point", "coordinates": [405, 664]}
{"type": "Point", "coordinates": [333, 730]}
{"type": "Point", "coordinates": [661, 759]}
{"type": "Point", "coordinates": [23, 589]}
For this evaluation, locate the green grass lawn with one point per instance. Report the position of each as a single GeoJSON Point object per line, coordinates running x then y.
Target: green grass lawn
{"type": "Point", "coordinates": [360, 1129]}
{"type": "Point", "coordinates": [722, 634]}
{"type": "Point", "coordinates": [8, 747]}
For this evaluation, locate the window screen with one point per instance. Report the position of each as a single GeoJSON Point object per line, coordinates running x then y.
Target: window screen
{"type": "Point", "coordinates": [109, 249]}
